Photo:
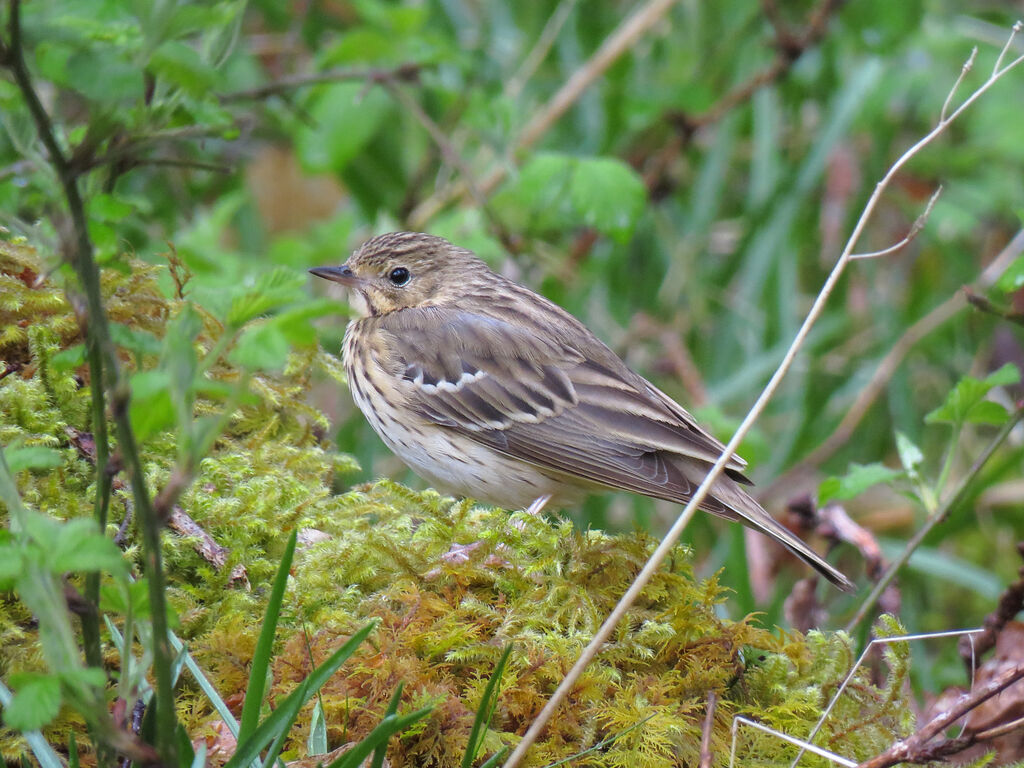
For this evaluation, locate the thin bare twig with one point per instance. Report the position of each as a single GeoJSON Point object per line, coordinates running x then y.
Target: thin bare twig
{"type": "Point", "coordinates": [915, 230]}
{"type": "Point", "coordinates": [983, 304]}
{"type": "Point", "coordinates": [408, 72]}
{"type": "Point", "coordinates": [540, 49]}
{"type": "Point", "coordinates": [669, 542]}
{"type": "Point", "coordinates": [916, 748]}
{"type": "Point", "coordinates": [967, 67]}
{"type": "Point", "coordinates": [706, 756]}
{"type": "Point", "coordinates": [1015, 30]}
{"type": "Point", "coordinates": [1011, 602]}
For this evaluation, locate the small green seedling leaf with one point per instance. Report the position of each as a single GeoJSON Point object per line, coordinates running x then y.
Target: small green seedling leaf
{"type": "Point", "coordinates": [966, 403]}
{"type": "Point", "coordinates": [33, 457]}
{"type": "Point", "coordinates": [36, 702]}
{"type": "Point", "coordinates": [858, 479]}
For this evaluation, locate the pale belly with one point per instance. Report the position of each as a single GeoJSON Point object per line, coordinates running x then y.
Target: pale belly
{"type": "Point", "coordinates": [455, 464]}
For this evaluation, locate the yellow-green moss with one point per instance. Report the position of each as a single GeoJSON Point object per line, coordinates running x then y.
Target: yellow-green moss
{"type": "Point", "coordinates": [450, 583]}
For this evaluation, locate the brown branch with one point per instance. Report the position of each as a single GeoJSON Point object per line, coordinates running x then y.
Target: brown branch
{"type": "Point", "coordinates": [1011, 602]}
{"type": "Point", "coordinates": [408, 72]}
{"type": "Point", "coordinates": [917, 749]}
{"type": "Point", "coordinates": [982, 304]}
{"type": "Point", "coordinates": [789, 45]}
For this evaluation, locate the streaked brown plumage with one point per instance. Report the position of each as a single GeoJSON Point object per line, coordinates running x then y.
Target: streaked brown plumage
{"type": "Point", "coordinates": [490, 391]}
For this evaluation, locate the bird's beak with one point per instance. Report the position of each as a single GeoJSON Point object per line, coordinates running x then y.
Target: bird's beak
{"type": "Point", "coordinates": [341, 274]}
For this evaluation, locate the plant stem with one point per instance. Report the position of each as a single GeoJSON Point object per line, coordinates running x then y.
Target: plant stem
{"type": "Point", "coordinates": [80, 254]}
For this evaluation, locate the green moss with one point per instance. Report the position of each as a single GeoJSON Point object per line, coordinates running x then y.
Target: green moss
{"type": "Point", "coordinates": [450, 583]}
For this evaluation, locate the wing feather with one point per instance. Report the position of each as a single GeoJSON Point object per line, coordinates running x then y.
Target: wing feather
{"type": "Point", "coordinates": [576, 411]}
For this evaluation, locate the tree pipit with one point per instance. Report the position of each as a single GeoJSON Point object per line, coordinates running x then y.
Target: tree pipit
{"type": "Point", "coordinates": [487, 390]}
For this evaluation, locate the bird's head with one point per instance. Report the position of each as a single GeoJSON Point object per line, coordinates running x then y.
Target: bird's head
{"type": "Point", "coordinates": [405, 269]}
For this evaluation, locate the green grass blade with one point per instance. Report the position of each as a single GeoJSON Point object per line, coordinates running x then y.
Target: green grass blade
{"type": "Point", "coordinates": [284, 715]}
{"type": "Point", "coordinates": [486, 710]}
{"type": "Point", "coordinates": [389, 726]}
{"type": "Point", "coordinates": [264, 646]}
{"type": "Point", "coordinates": [381, 751]}
{"type": "Point", "coordinates": [205, 685]}
{"type": "Point", "coordinates": [494, 759]}
{"type": "Point", "coordinates": [316, 744]}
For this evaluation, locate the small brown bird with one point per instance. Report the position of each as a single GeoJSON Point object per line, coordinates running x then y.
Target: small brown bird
{"type": "Point", "coordinates": [490, 391]}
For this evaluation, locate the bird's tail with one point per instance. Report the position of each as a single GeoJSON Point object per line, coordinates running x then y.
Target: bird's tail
{"type": "Point", "coordinates": [740, 506]}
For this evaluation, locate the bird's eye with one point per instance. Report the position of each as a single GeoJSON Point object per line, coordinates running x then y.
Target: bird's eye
{"type": "Point", "coordinates": [399, 276]}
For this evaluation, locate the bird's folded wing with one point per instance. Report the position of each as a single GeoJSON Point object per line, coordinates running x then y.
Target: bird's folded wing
{"type": "Point", "coordinates": [557, 403]}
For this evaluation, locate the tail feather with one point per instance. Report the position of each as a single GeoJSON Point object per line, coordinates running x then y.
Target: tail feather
{"type": "Point", "coordinates": [740, 506]}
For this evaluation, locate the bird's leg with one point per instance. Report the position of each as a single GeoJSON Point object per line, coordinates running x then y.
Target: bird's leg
{"type": "Point", "coordinates": [538, 504]}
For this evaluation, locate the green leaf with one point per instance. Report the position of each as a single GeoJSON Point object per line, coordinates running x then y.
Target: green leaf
{"type": "Point", "coordinates": [966, 403]}
{"type": "Point", "coordinates": [180, 65]}
{"type": "Point", "coordinates": [265, 644]}
{"type": "Point", "coordinates": [152, 410]}
{"type": "Point", "coordinates": [345, 116]}
{"type": "Point", "coordinates": [858, 479]}
{"type": "Point", "coordinates": [273, 289]}
{"type": "Point", "coordinates": [103, 76]}
{"type": "Point", "coordinates": [538, 198]}
{"type": "Point", "coordinates": [387, 727]}
{"type": "Point", "coordinates": [286, 711]}
{"type": "Point", "coordinates": [135, 340]}
{"type": "Point", "coordinates": [608, 195]}
{"type": "Point", "coordinates": [485, 712]}
{"type": "Point", "coordinates": [263, 347]}
{"type": "Point", "coordinates": [11, 566]}
{"type": "Point", "coordinates": [69, 358]}
{"type": "Point", "coordinates": [36, 701]}
{"type": "Point", "coordinates": [33, 457]}
{"type": "Point", "coordinates": [109, 208]}
{"type": "Point", "coordinates": [910, 455]}
{"type": "Point", "coordinates": [80, 547]}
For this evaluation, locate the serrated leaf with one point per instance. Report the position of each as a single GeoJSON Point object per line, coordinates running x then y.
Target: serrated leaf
{"type": "Point", "coordinates": [344, 117]}
{"type": "Point", "coordinates": [966, 403]}
{"type": "Point", "coordinates": [33, 457]}
{"type": "Point", "coordinates": [273, 289]}
{"type": "Point", "coordinates": [36, 702]}
{"type": "Point", "coordinates": [79, 547]}
{"type": "Point", "coordinates": [263, 347]}
{"type": "Point", "coordinates": [858, 479]}
{"type": "Point", "coordinates": [181, 65]}
{"type": "Point", "coordinates": [608, 195]}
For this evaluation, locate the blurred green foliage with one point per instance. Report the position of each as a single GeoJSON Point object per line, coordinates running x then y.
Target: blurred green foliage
{"type": "Point", "coordinates": [691, 238]}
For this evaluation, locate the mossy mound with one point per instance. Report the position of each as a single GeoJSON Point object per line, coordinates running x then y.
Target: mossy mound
{"type": "Point", "coordinates": [450, 583]}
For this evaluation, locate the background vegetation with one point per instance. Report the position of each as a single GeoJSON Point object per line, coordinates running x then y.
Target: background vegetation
{"type": "Point", "coordinates": [683, 185]}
